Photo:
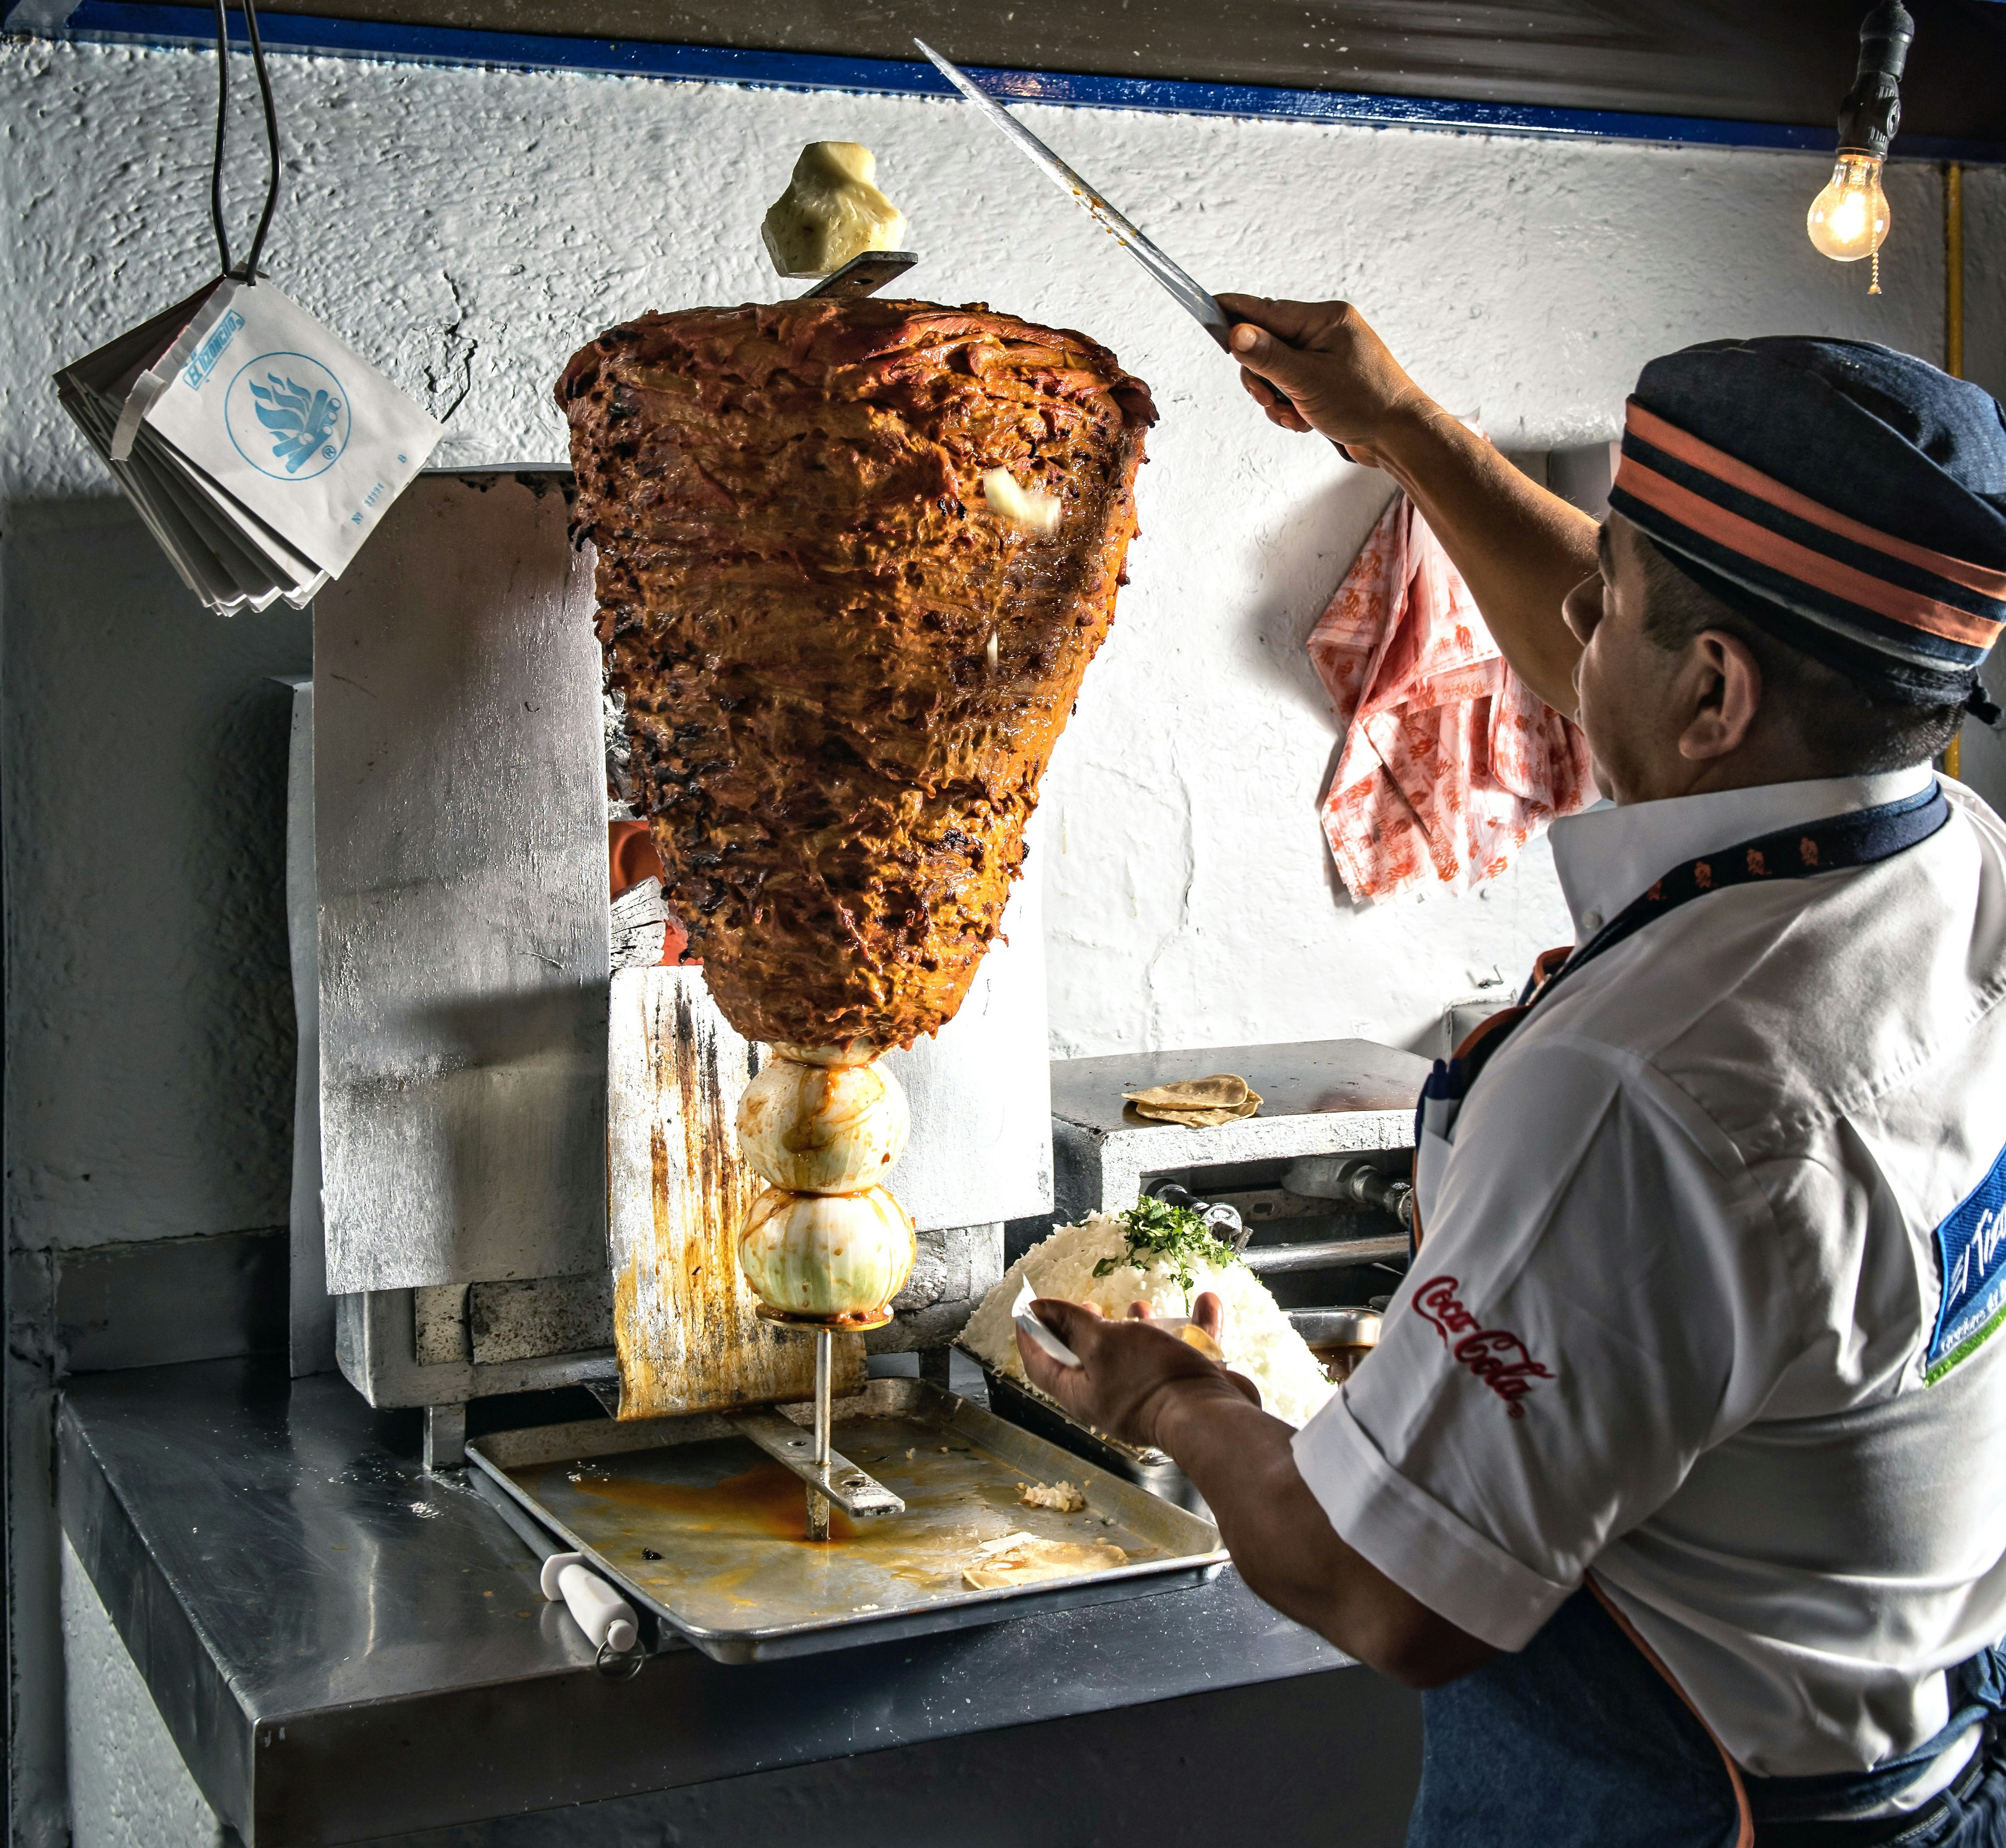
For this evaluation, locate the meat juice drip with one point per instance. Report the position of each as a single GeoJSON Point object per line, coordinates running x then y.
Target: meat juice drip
{"type": "Point", "coordinates": [763, 1502]}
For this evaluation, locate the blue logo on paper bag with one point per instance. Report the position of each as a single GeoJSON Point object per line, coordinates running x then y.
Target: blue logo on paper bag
{"type": "Point", "coordinates": [194, 374]}
{"type": "Point", "coordinates": [1971, 1254]}
{"type": "Point", "coordinates": [288, 415]}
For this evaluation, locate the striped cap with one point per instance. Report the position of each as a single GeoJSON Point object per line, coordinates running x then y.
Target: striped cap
{"type": "Point", "coordinates": [1849, 499]}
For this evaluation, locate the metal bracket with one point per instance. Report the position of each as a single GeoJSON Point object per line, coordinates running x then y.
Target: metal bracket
{"type": "Point", "coordinates": [445, 1437]}
{"type": "Point", "coordinates": [851, 1489]}
{"type": "Point", "coordinates": [864, 275]}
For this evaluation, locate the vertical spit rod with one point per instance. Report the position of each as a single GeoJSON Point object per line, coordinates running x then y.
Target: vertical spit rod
{"type": "Point", "coordinates": [818, 1502]}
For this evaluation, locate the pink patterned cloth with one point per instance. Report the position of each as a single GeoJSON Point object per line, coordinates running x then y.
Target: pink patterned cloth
{"type": "Point", "coordinates": [1451, 763]}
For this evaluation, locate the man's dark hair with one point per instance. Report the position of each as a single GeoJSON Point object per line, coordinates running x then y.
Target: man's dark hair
{"type": "Point", "coordinates": [1846, 731]}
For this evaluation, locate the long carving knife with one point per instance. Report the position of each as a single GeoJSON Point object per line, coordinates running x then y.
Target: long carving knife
{"type": "Point", "coordinates": [1195, 301]}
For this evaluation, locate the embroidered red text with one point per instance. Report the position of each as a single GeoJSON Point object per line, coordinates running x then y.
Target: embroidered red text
{"type": "Point", "coordinates": [1495, 1356]}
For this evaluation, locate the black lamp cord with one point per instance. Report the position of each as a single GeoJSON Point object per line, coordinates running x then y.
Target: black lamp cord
{"type": "Point", "coordinates": [249, 272]}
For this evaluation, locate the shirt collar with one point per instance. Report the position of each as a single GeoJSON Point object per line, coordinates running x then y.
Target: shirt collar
{"type": "Point", "coordinates": [1607, 857]}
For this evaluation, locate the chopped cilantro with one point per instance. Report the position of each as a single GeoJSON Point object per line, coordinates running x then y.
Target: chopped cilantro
{"type": "Point", "coordinates": [1154, 1230]}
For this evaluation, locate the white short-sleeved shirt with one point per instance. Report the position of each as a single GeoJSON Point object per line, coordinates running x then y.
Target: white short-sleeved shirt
{"type": "Point", "coordinates": [1692, 1208]}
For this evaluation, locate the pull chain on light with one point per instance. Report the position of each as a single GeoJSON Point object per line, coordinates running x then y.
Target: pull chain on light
{"type": "Point", "coordinates": [1850, 219]}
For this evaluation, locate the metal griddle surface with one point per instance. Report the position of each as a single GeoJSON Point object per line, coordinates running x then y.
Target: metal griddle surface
{"type": "Point", "coordinates": [736, 1575]}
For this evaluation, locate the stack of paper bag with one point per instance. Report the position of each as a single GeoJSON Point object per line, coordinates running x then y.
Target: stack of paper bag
{"type": "Point", "coordinates": [260, 450]}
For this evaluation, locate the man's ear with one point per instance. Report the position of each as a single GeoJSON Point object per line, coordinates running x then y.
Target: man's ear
{"type": "Point", "coordinates": [1723, 684]}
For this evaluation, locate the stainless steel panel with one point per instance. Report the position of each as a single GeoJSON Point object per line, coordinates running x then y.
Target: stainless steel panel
{"type": "Point", "coordinates": [311, 1308]}
{"type": "Point", "coordinates": [734, 1573]}
{"type": "Point", "coordinates": [1320, 1097]}
{"type": "Point", "coordinates": [685, 1324]}
{"type": "Point", "coordinates": [152, 1302]}
{"type": "Point", "coordinates": [460, 849]}
{"type": "Point", "coordinates": [981, 1146]}
{"type": "Point", "coordinates": [1311, 1078]}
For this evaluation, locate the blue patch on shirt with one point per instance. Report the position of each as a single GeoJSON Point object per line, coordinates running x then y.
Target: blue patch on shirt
{"type": "Point", "coordinates": [1971, 1257]}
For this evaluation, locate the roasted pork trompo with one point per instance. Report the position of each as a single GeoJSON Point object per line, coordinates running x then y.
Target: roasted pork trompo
{"type": "Point", "coordinates": [843, 667]}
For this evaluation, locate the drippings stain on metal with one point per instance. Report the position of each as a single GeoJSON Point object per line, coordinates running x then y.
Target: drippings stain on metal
{"type": "Point", "coordinates": [713, 1531]}
{"type": "Point", "coordinates": [684, 1324]}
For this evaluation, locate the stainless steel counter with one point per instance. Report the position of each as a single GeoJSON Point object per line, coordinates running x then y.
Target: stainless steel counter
{"type": "Point", "coordinates": [1317, 1097]}
{"type": "Point", "coordinates": [345, 1648]}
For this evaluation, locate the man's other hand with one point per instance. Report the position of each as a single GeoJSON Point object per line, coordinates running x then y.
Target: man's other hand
{"type": "Point", "coordinates": [1138, 1381]}
{"type": "Point", "coordinates": [1316, 365]}
{"type": "Point", "coordinates": [1126, 1368]}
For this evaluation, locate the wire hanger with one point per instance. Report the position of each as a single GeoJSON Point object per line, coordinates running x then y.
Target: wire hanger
{"type": "Point", "coordinates": [249, 272]}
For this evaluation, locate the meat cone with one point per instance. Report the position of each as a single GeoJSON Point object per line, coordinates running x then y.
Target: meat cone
{"type": "Point", "coordinates": [843, 671]}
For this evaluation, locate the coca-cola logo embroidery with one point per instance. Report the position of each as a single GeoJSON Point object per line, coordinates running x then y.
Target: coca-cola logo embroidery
{"type": "Point", "coordinates": [1497, 1356]}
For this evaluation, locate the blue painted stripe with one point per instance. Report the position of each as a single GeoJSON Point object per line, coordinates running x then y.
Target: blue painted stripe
{"type": "Point", "coordinates": [118, 21]}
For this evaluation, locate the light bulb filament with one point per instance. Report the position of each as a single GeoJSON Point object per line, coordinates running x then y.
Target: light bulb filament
{"type": "Point", "coordinates": [1849, 219]}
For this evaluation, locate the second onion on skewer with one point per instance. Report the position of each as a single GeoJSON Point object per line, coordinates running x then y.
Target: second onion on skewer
{"type": "Point", "coordinates": [823, 1242]}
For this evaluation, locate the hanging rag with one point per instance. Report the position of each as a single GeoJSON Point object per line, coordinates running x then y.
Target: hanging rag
{"type": "Point", "coordinates": [1451, 763]}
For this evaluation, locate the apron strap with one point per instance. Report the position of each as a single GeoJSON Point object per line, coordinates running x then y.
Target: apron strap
{"type": "Point", "coordinates": [1861, 837]}
{"type": "Point", "coordinates": [1449, 1083]}
{"type": "Point", "coordinates": [1745, 1836]}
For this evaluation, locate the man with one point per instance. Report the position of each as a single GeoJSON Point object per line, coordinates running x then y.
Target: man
{"type": "Point", "coordinates": [1679, 1477]}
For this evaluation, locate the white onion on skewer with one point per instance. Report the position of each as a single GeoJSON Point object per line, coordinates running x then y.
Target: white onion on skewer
{"type": "Point", "coordinates": [823, 1129]}
{"type": "Point", "coordinates": [859, 1052]}
{"type": "Point", "coordinates": [826, 1255]}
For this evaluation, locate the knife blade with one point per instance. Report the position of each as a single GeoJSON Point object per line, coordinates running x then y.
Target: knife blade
{"type": "Point", "coordinates": [1196, 301]}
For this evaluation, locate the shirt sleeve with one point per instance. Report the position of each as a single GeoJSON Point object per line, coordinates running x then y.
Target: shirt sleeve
{"type": "Point", "coordinates": [1600, 1297]}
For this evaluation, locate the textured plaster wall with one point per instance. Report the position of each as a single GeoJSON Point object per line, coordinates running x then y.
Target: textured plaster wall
{"type": "Point", "coordinates": [469, 230]}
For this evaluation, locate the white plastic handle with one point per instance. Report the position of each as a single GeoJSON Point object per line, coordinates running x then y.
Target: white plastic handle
{"type": "Point", "coordinates": [606, 1617]}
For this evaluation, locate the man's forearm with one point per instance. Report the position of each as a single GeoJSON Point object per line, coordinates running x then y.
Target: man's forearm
{"type": "Point", "coordinates": [1520, 548]}
{"type": "Point", "coordinates": [1318, 366]}
{"type": "Point", "coordinates": [1240, 1460]}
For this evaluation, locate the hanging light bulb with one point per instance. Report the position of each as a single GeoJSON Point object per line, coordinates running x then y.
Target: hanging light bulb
{"type": "Point", "coordinates": [1849, 219]}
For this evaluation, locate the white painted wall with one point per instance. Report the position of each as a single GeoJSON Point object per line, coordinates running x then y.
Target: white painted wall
{"type": "Point", "coordinates": [470, 229]}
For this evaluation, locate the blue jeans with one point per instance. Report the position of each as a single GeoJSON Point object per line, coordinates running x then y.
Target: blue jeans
{"type": "Point", "coordinates": [1578, 1740]}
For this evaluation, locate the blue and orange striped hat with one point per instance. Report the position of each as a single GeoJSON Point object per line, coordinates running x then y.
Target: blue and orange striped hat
{"type": "Point", "coordinates": [1849, 499]}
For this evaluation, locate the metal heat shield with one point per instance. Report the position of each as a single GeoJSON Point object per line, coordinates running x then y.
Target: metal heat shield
{"type": "Point", "coordinates": [687, 1334]}
{"type": "Point", "coordinates": [980, 1089]}
{"type": "Point", "coordinates": [684, 1327]}
{"type": "Point", "coordinates": [460, 817]}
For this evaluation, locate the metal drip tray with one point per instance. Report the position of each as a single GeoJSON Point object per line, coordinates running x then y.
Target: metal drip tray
{"type": "Point", "coordinates": [733, 1571]}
